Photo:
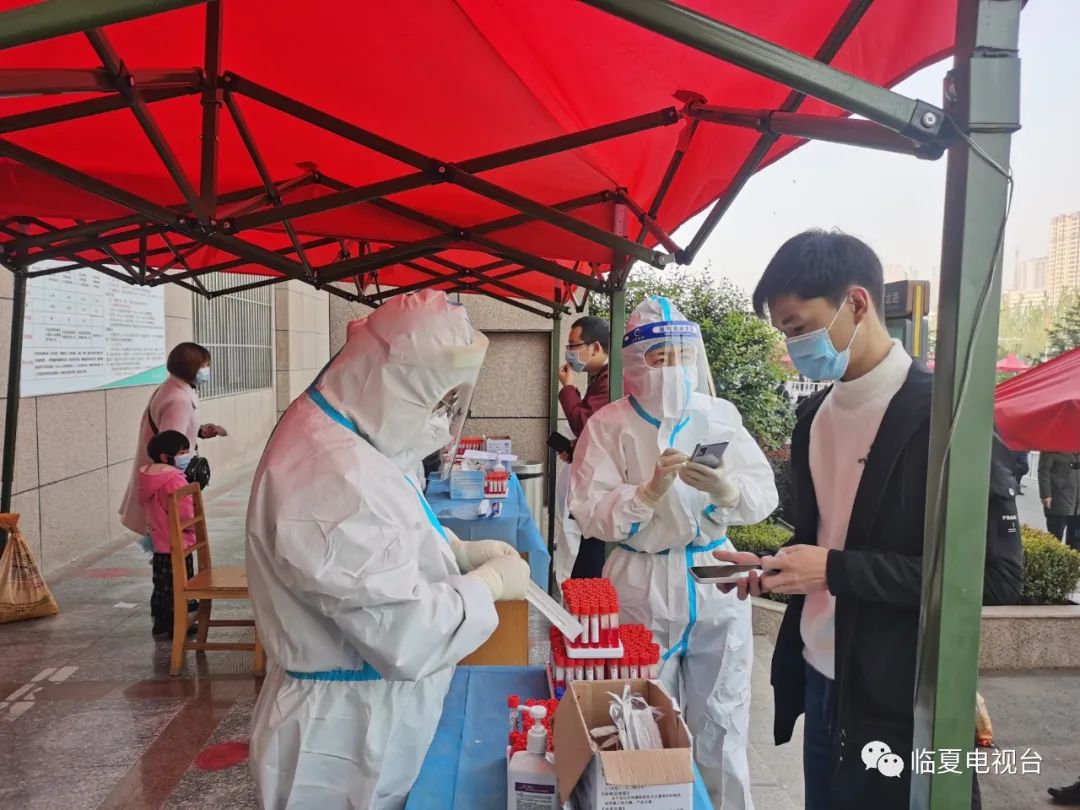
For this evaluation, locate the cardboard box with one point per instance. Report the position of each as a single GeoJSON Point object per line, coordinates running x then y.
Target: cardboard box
{"type": "Point", "coordinates": [466, 485]}
{"type": "Point", "coordinates": [627, 780]}
{"type": "Point", "coordinates": [499, 444]}
{"type": "Point", "coordinates": [508, 646]}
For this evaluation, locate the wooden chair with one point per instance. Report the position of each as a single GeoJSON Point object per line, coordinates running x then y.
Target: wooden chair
{"type": "Point", "coordinates": [208, 584]}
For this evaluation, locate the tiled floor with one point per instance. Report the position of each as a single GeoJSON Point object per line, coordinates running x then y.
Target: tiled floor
{"type": "Point", "coordinates": [89, 717]}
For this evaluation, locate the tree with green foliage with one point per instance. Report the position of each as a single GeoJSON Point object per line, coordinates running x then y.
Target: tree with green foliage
{"type": "Point", "coordinates": [743, 350]}
{"type": "Point", "coordinates": [1022, 330]}
{"type": "Point", "coordinates": [1065, 333]}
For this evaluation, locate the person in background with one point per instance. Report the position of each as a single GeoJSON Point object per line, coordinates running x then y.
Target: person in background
{"type": "Point", "coordinates": [1059, 488]}
{"type": "Point", "coordinates": [1020, 468]}
{"type": "Point", "coordinates": [846, 650]}
{"type": "Point", "coordinates": [586, 351]}
{"type": "Point", "coordinates": [170, 452]}
{"type": "Point", "coordinates": [364, 602]}
{"type": "Point", "coordinates": [634, 486]}
{"type": "Point", "coordinates": [174, 405]}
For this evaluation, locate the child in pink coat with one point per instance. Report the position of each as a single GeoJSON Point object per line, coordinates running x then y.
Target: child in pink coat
{"type": "Point", "coordinates": [171, 453]}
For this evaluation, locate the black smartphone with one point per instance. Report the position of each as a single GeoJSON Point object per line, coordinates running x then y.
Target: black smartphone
{"type": "Point", "coordinates": [559, 443]}
{"type": "Point", "coordinates": [709, 454]}
{"type": "Point", "coordinates": [721, 574]}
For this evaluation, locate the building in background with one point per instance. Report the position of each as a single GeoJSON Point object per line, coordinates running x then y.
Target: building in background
{"type": "Point", "coordinates": [1031, 274]}
{"type": "Point", "coordinates": [75, 449]}
{"type": "Point", "coordinates": [896, 272]}
{"type": "Point", "coordinates": [1063, 265]}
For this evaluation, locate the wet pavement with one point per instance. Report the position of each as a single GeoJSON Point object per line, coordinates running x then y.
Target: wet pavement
{"type": "Point", "coordinates": [90, 718]}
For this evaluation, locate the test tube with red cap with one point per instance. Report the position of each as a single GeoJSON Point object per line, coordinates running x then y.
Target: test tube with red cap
{"type": "Point", "coordinates": [594, 622]}
{"type": "Point", "coordinates": [513, 703]}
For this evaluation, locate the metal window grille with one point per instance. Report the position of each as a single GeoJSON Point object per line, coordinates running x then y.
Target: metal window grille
{"type": "Point", "coordinates": [237, 328]}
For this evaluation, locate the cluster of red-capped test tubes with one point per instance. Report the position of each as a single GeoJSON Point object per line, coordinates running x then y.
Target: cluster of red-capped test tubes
{"type": "Point", "coordinates": [595, 604]}
{"type": "Point", "coordinates": [521, 721]}
{"type": "Point", "coordinates": [640, 659]}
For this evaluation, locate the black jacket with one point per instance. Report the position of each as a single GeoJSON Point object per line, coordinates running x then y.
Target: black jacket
{"type": "Point", "coordinates": [877, 581]}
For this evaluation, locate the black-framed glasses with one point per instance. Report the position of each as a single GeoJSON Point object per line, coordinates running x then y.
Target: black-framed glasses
{"type": "Point", "coordinates": [575, 345]}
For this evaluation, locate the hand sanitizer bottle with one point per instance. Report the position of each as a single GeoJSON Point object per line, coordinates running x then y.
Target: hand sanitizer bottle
{"type": "Point", "coordinates": [530, 779]}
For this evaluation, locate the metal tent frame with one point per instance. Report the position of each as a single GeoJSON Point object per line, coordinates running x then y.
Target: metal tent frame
{"type": "Point", "coordinates": [981, 111]}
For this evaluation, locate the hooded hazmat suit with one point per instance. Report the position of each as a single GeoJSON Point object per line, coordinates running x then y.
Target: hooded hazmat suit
{"type": "Point", "coordinates": [705, 635]}
{"type": "Point", "coordinates": [358, 598]}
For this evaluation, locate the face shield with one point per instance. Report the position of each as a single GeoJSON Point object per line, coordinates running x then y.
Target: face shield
{"type": "Point", "coordinates": [450, 412]}
{"type": "Point", "coordinates": [664, 361]}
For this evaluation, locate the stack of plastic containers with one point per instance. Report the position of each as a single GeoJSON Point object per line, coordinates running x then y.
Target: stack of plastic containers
{"type": "Point", "coordinates": [594, 603]}
{"type": "Point", "coordinates": [640, 659]}
{"type": "Point", "coordinates": [604, 650]}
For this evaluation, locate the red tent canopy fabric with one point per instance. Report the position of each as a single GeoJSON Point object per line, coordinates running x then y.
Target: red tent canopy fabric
{"type": "Point", "coordinates": [450, 80]}
{"type": "Point", "coordinates": [1040, 408]}
{"type": "Point", "coordinates": [1011, 363]}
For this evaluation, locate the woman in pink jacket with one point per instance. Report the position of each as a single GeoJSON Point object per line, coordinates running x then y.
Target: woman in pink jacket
{"type": "Point", "coordinates": [173, 406]}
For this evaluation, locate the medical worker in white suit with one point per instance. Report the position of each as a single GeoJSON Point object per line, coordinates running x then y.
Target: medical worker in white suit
{"type": "Point", "coordinates": [358, 591]}
{"type": "Point", "coordinates": [632, 485]}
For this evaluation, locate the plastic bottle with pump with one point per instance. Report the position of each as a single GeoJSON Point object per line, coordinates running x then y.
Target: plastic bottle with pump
{"type": "Point", "coordinates": [530, 779]}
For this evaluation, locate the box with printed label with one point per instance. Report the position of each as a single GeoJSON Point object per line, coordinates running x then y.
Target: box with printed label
{"type": "Point", "coordinates": [499, 444]}
{"type": "Point", "coordinates": [621, 780]}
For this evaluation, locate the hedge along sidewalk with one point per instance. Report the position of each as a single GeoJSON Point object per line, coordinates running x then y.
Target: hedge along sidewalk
{"type": "Point", "coordinates": [1027, 636]}
{"type": "Point", "coordinates": [1051, 568]}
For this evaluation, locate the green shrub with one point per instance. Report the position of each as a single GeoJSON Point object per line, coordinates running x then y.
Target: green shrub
{"type": "Point", "coordinates": [762, 539]}
{"type": "Point", "coordinates": [1051, 569]}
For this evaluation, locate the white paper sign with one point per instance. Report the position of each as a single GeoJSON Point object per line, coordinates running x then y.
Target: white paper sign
{"type": "Point", "coordinates": [85, 330]}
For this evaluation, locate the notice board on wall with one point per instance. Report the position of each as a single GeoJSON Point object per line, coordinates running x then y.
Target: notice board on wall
{"type": "Point", "coordinates": [86, 331]}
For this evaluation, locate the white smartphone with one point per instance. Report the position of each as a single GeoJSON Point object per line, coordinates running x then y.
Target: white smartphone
{"type": "Point", "coordinates": [721, 574]}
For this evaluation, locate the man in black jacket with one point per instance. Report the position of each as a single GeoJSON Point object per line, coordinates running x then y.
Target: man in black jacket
{"type": "Point", "coordinates": [845, 654]}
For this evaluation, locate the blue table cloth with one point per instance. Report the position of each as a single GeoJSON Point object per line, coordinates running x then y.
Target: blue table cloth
{"type": "Point", "coordinates": [514, 526]}
{"type": "Point", "coordinates": [465, 768]}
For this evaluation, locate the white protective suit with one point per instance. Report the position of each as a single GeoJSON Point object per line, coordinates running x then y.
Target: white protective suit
{"type": "Point", "coordinates": [705, 635]}
{"type": "Point", "coordinates": [567, 533]}
{"type": "Point", "coordinates": [358, 599]}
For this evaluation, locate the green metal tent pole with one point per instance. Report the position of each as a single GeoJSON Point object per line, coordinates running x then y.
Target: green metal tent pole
{"type": "Point", "coordinates": [617, 298]}
{"type": "Point", "coordinates": [14, 385]}
{"type": "Point", "coordinates": [554, 362]}
{"type": "Point", "coordinates": [55, 18]}
{"type": "Point", "coordinates": [985, 103]}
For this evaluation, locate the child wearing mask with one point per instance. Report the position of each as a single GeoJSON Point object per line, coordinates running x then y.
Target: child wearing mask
{"type": "Point", "coordinates": [171, 453]}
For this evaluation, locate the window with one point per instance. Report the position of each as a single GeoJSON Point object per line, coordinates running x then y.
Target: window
{"type": "Point", "coordinates": [238, 330]}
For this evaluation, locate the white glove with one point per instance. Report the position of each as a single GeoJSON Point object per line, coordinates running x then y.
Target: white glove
{"type": "Point", "coordinates": [471, 554]}
{"type": "Point", "coordinates": [667, 467]}
{"type": "Point", "coordinates": [717, 483]}
{"type": "Point", "coordinates": [506, 577]}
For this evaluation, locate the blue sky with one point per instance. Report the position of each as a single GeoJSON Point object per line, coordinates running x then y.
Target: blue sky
{"type": "Point", "coordinates": [895, 202]}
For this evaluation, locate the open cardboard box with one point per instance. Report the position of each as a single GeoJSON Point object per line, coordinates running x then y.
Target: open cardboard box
{"type": "Point", "coordinates": [629, 780]}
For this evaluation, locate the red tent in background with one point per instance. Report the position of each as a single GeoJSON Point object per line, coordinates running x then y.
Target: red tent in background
{"type": "Point", "coordinates": [518, 149]}
{"type": "Point", "coordinates": [1011, 364]}
{"type": "Point", "coordinates": [1040, 408]}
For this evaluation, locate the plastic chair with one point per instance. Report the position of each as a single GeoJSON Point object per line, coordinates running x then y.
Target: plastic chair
{"type": "Point", "coordinates": [208, 584]}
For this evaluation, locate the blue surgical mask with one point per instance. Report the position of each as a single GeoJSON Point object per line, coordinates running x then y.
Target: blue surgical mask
{"type": "Point", "coordinates": [574, 361]}
{"type": "Point", "coordinates": [202, 376]}
{"type": "Point", "coordinates": [815, 356]}
{"type": "Point", "coordinates": [181, 462]}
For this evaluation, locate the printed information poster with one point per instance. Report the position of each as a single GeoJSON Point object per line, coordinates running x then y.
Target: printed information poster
{"type": "Point", "coordinates": [85, 331]}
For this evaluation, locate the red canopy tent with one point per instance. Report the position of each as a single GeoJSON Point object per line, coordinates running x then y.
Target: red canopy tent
{"type": "Point", "coordinates": [382, 143]}
{"type": "Point", "coordinates": [1011, 364]}
{"type": "Point", "coordinates": [1040, 408]}
{"type": "Point", "coordinates": [516, 149]}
